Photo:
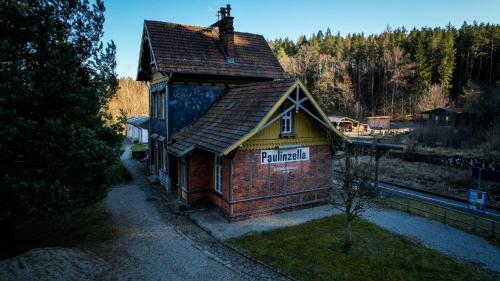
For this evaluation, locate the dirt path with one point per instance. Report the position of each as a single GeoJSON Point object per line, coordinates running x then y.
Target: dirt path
{"type": "Point", "coordinates": [152, 243]}
{"type": "Point", "coordinates": [148, 247]}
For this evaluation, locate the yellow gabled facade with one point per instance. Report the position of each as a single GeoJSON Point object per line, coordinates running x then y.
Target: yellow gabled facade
{"type": "Point", "coordinates": [306, 132]}
{"type": "Point", "coordinates": [265, 137]}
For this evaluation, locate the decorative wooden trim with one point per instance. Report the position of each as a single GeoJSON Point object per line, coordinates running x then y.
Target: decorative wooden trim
{"type": "Point", "coordinates": [150, 47]}
{"type": "Point", "coordinates": [264, 122]}
{"type": "Point", "coordinates": [270, 144]}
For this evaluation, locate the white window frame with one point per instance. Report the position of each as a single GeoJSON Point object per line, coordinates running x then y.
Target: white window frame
{"type": "Point", "coordinates": [286, 123]}
{"type": "Point", "coordinates": [218, 174]}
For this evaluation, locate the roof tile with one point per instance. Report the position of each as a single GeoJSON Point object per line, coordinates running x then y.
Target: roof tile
{"type": "Point", "coordinates": [193, 49]}
{"type": "Point", "coordinates": [224, 125]}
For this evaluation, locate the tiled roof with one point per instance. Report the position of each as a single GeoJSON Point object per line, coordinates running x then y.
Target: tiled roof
{"type": "Point", "coordinates": [448, 109]}
{"type": "Point", "coordinates": [335, 119]}
{"type": "Point", "coordinates": [232, 117]}
{"type": "Point", "coordinates": [138, 121]}
{"type": "Point", "coordinates": [196, 50]}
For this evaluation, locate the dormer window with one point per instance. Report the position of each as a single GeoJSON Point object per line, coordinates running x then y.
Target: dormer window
{"type": "Point", "coordinates": [286, 123]}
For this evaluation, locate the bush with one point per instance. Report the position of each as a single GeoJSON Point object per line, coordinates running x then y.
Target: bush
{"type": "Point", "coordinates": [449, 137]}
{"type": "Point", "coordinates": [84, 224]}
{"type": "Point", "coordinates": [410, 153]}
{"type": "Point", "coordinates": [118, 173]}
{"type": "Point", "coordinates": [139, 151]}
{"type": "Point", "coordinates": [491, 143]}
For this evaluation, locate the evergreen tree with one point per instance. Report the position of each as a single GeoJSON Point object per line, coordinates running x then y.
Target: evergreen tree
{"type": "Point", "coordinates": [446, 65]}
{"type": "Point", "coordinates": [391, 72]}
{"type": "Point", "coordinates": [56, 80]}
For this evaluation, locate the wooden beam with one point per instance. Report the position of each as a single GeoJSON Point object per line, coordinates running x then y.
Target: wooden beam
{"type": "Point", "coordinates": [277, 117]}
{"type": "Point", "coordinates": [297, 98]}
{"type": "Point", "coordinates": [314, 116]}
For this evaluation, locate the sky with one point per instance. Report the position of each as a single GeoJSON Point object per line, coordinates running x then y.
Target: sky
{"type": "Point", "coordinates": [286, 18]}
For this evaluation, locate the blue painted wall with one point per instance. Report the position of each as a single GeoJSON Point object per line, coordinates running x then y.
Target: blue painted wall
{"type": "Point", "coordinates": [189, 102]}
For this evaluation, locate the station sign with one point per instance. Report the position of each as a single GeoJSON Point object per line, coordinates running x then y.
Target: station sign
{"type": "Point", "coordinates": [284, 155]}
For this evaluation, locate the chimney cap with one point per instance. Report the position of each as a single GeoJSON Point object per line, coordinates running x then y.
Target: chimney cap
{"type": "Point", "coordinates": [223, 13]}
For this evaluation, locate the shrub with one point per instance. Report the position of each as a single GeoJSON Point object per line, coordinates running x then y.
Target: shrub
{"type": "Point", "coordinates": [139, 151]}
{"type": "Point", "coordinates": [118, 173]}
{"type": "Point", "coordinates": [450, 137]}
{"type": "Point", "coordinates": [87, 223]}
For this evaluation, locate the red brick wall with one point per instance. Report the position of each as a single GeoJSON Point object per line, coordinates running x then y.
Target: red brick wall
{"type": "Point", "coordinates": [201, 181]}
{"type": "Point", "coordinates": [244, 178]}
{"type": "Point", "coordinates": [221, 201]}
{"type": "Point", "coordinates": [252, 180]}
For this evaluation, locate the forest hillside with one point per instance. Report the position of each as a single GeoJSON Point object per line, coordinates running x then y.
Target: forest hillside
{"type": "Point", "coordinates": [131, 99]}
{"type": "Point", "coordinates": [400, 72]}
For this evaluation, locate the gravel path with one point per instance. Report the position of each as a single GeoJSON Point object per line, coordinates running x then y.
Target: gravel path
{"type": "Point", "coordinates": [52, 264]}
{"type": "Point", "coordinates": [445, 239]}
{"type": "Point", "coordinates": [155, 242]}
{"type": "Point", "coordinates": [149, 248]}
{"type": "Point", "coordinates": [220, 228]}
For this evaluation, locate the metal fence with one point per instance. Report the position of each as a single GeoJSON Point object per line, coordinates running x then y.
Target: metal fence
{"type": "Point", "coordinates": [470, 222]}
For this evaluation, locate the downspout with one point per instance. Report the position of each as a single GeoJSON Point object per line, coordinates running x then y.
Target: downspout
{"type": "Point", "coordinates": [149, 127]}
{"type": "Point", "coordinates": [231, 173]}
{"type": "Point", "coordinates": [165, 144]}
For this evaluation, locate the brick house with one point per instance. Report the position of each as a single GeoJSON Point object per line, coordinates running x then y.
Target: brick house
{"type": "Point", "coordinates": [228, 127]}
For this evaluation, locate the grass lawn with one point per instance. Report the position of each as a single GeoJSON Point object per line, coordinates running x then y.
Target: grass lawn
{"type": "Point", "coordinates": [88, 224]}
{"type": "Point", "coordinates": [313, 251]}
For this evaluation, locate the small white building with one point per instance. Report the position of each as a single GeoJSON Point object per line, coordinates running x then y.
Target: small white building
{"type": "Point", "coordinates": [137, 128]}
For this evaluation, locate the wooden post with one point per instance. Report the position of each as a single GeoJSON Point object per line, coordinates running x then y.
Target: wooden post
{"type": "Point", "coordinates": [376, 170]}
{"type": "Point", "coordinates": [231, 173]}
{"type": "Point", "coordinates": [479, 179]}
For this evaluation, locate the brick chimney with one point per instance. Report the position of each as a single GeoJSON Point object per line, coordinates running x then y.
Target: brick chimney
{"type": "Point", "coordinates": [226, 32]}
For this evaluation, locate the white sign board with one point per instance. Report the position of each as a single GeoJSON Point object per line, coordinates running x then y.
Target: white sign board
{"type": "Point", "coordinates": [284, 155]}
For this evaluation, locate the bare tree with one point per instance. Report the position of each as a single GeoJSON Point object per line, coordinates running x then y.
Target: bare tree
{"type": "Point", "coordinates": [352, 190]}
{"type": "Point", "coordinates": [400, 69]}
{"type": "Point", "coordinates": [334, 87]}
{"type": "Point", "coordinates": [436, 97]}
{"type": "Point", "coordinates": [289, 63]}
{"type": "Point", "coordinates": [131, 99]}
{"type": "Point", "coordinates": [303, 63]}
